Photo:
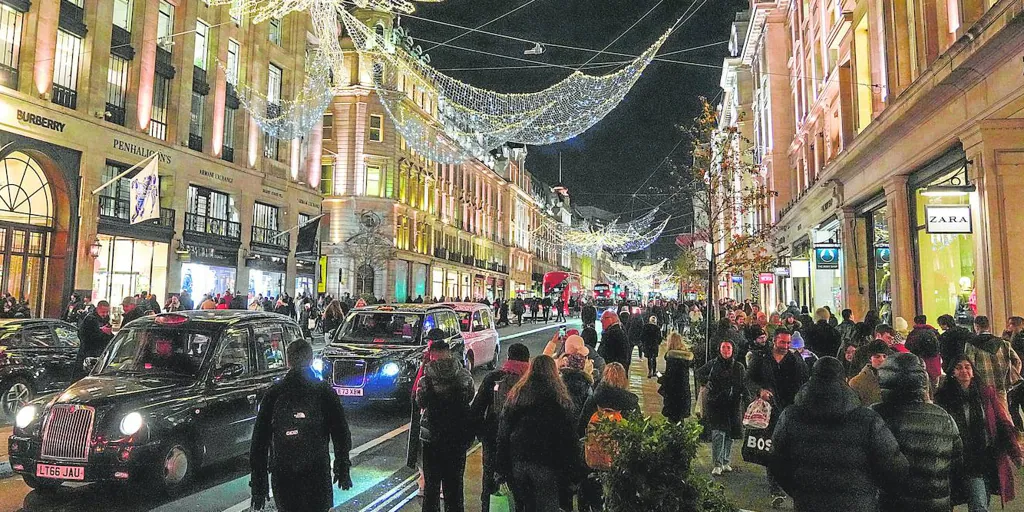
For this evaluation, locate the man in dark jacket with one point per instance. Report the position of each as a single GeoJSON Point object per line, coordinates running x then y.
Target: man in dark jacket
{"type": "Point", "coordinates": [444, 394]}
{"type": "Point", "coordinates": [615, 347]}
{"type": "Point", "coordinates": [778, 375]}
{"type": "Point", "coordinates": [951, 342]}
{"type": "Point", "coordinates": [94, 333]}
{"type": "Point", "coordinates": [131, 310]}
{"type": "Point", "coordinates": [927, 435]}
{"type": "Point", "coordinates": [302, 407]}
{"type": "Point", "coordinates": [831, 453]}
{"type": "Point", "coordinates": [486, 408]}
{"type": "Point", "coordinates": [821, 338]}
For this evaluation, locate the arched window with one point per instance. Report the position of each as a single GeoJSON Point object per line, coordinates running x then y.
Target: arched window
{"type": "Point", "coordinates": [25, 195]}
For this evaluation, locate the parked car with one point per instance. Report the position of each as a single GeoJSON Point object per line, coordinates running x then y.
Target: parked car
{"type": "Point", "coordinates": [477, 324]}
{"type": "Point", "coordinates": [171, 393]}
{"type": "Point", "coordinates": [37, 356]}
{"type": "Point", "coordinates": [375, 354]}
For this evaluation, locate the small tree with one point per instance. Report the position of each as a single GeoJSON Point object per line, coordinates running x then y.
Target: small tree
{"type": "Point", "coordinates": [370, 251]}
{"type": "Point", "coordinates": [728, 192]}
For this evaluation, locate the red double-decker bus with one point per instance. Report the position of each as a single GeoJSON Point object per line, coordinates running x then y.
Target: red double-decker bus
{"type": "Point", "coordinates": [561, 285]}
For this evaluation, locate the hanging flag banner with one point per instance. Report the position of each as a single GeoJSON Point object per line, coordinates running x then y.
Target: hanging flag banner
{"type": "Point", "coordinates": [766, 278]}
{"type": "Point", "coordinates": [306, 243]}
{"type": "Point", "coordinates": [145, 194]}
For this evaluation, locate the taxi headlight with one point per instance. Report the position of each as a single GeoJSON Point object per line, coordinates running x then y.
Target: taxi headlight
{"type": "Point", "coordinates": [317, 365]}
{"type": "Point", "coordinates": [390, 369]}
{"type": "Point", "coordinates": [25, 416]}
{"type": "Point", "coordinates": [131, 423]}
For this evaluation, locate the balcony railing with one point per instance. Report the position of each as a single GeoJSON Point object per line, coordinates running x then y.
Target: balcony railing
{"type": "Point", "coordinates": [203, 225]}
{"type": "Point", "coordinates": [115, 114]}
{"type": "Point", "coordinates": [480, 264]}
{"type": "Point", "coordinates": [119, 210]}
{"type": "Point", "coordinates": [271, 238]}
{"type": "Point", "coordinates": [227, 154]}
{"type": "Point", "coordinates": [8, 76]}
{"type": "Point", "coordinates": [454, 256]}
{"type": "Point", "coordinates": [441, 252]}
{"type": "Point", "coordinates": [467, 260]}
{"type": "Point", "coordinates": [121, 43]}
{"type": "Point", "coordinates": [64, 96]}
{"type": "Point", "coordinates": [195, 142]}
{"type": "Point", "coordinates": [158, 129]}
{"type": "Point", "coordinates": [72, 18]}
{"type": "Point", "coordinates": [231, 96]}
{"type": "Point", "coordinates": [164, 67]}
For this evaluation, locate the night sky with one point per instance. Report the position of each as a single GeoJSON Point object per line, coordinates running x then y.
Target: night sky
{"type": "Point", "coordinates": [604, 165]}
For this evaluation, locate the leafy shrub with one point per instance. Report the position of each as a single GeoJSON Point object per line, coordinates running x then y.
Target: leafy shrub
{"type": "Point", "coordinates": [653, 469]}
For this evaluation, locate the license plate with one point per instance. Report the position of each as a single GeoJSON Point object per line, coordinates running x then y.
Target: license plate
{"type": "Point", "coordinates": [349, 391]}
{"type": "Point", "coordinates": [60, 472]}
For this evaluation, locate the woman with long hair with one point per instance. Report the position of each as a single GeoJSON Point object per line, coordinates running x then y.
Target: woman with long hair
{"type": "Point", "coordinates": [333, 317]}
{"type": "Point", "coordinates": [538, 449]}
{"type": "Point", "coordinates": [675, 383]}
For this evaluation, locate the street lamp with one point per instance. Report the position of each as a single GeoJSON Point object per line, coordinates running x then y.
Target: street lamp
{"type": "Point", "coordinates": [94, 248]}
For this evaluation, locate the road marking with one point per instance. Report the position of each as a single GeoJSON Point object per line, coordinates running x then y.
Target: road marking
{"type": "Point", "coordinates": [405, 500]}
{"type": "Point", "coordinates": [388, 496]}
{"type": "Point", "coordinates": [527, 333]}
{"type": "Point", "coordinates": [369, 445]}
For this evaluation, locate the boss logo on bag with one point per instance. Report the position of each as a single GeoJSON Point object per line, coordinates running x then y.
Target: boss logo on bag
{"type": "Point", "coordinates": [292, 433]}
{"type": "Point", "coordinates": [759, 443]}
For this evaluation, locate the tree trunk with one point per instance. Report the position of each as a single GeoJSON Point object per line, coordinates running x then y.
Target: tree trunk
{"type": "Point", "coordinates": [709, 318]}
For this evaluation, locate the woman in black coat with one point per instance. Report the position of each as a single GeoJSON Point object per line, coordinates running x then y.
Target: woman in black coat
{"type": "Point", "coordinates": [675, 383]}
{"type": "Point", "coordinates": [726, 380]}
{"type": "Point", "coordinates": [537, 447]}
{"type": "Point", "coordinates": [650, 338]}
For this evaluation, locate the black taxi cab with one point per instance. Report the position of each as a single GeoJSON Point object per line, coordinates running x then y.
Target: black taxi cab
{"type": "Point", "coordinates": [376, 353]}
{"type": "Point", "coordinates": [171, 393]}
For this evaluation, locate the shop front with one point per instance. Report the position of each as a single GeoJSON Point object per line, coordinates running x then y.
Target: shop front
{"type": "Point", "coordinates": [305, 277]}
{"type": "Point", "coordinates": [800, 274]}
{"type": "Point", "coordinates": [266, 276]}
{"type": "Point", "coordinates": [128, 266]}
{"type": "Point", "coordinates": [943, 206]}
{"type": "Point", "coordinates": [401, 281]}
{"type": "Point", "coordinates": [874, 217]}
{"type": "Point", "coordinates": [419, 281]}
{"type": "Point", "coordinates": [207, 271]}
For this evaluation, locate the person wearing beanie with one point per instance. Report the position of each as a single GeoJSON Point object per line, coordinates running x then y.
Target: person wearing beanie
{"type": "Point", "coordinates": [486, 407]}
{"type": "Point", "coordinates": [832, 453]}
{"type": "Point", "coordinates": [865, 384]}
{"type": "Point", "coordinates": [926, 433]}
{"type": "Point", "coordinates": [577, 375]}
{"type": "Point", "coordinates": [798, 345]}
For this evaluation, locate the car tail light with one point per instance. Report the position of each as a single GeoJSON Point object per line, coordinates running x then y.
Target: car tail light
{"type": "Point", "coordinates": [171, 319]}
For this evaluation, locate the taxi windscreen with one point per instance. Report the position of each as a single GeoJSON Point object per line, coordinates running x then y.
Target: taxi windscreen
{"type": "Point", "coordinates": [374, 327]}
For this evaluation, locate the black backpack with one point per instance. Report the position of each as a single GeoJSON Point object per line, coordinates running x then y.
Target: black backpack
{"type": "Point", "coordinates": [298, 430]}
{"type": "Point", "coordinates": [501, 391]}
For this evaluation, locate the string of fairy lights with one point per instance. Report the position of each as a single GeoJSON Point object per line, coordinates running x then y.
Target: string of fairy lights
{"type": "Point", "coordinates": [469, 121]}
{"type": "Point", "coordinates": [587, 239]}
{"type": "Point", "coordinates": [652, 278]}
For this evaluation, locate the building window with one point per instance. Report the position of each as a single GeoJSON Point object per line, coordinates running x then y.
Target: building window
{"type": "Point", "coordinates": [195, 123]}
{"type": "Point", "coordinates": [275, 31]}
{"type": "Point", "coordinates": [236, 17]}
{"type": "Point", "coordinates": [328, 131]}
{"type": "Point", "coordinates": [373, 180]}
{"type": "Point", "coordinates": [11, 22]}
{"type": "Point", "coordinates": [158, 118]}
{"type": "Point", "coordinates": [232, 64]}
{"type": "Point", "coordinates": [265, 216]}
{"type": "Point", "coordinates": [228, 151]}
{"type": "Point", "coordinates": [65, 69]}
{"type": "Point", "coordinates": [376, 128]}
{"type": "Point", "coordinates": [327, 178]}
{"type": "Point", "coordinates": [202, 44]}
{"type": "Point", "coordinates": [123, 14]}
{"type": "Point", "coordinates": [165, 25]}
{"type": "Point", "coordinates": [117, 87]}
{"type": "Point", "coordinates": [270, 142]}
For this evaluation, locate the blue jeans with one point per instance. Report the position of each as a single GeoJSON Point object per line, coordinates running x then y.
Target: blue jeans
{"type": "Point", "coordinates": [977, 498]}
{"type": "Point", "coordinates": [721, 447]}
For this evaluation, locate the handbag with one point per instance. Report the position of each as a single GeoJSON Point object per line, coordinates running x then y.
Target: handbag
{"type": "Point", "coordinates": [757, 442]}
{"type": "Point", "coordinates": [758, 414]}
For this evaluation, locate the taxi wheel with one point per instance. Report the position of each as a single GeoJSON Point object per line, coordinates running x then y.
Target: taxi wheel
{"type": "Point", "coordinates": [14, 394]}
{"type": "Point", "coordinates": [41, 484]}
{"type": "Point", "coordinates": [494, 360]}
{"type": "Point", "coordinates": [176, 466]}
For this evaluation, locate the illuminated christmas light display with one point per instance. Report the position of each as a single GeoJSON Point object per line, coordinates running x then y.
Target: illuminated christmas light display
{"type": "Point", "coordinates": [587, 239]}
{"type": "Point", "coordinates": [645, 279]}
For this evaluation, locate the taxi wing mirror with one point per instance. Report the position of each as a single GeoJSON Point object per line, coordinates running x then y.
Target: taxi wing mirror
{"type": "Point", "coordinates": [89, 363]}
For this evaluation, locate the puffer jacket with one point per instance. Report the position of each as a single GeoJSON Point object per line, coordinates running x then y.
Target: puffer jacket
{"type": "Point", "coordinates": [675, 384]}
{"type": "Point", "coordinates": [831, 453]}
{"type": "Point", "coordinates": [444, 393]}
{"type": "Point", "coordinates": [926, 433]}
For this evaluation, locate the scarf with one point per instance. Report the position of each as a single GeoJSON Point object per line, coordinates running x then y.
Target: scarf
{"type": "Point", "coordinates": [516, 367]}
{"type": "Point", "coordinates": [1004, 436]}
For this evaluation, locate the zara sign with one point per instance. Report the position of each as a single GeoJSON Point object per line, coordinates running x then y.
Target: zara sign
{"type": "Point", "coordinates": [948, 219]}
